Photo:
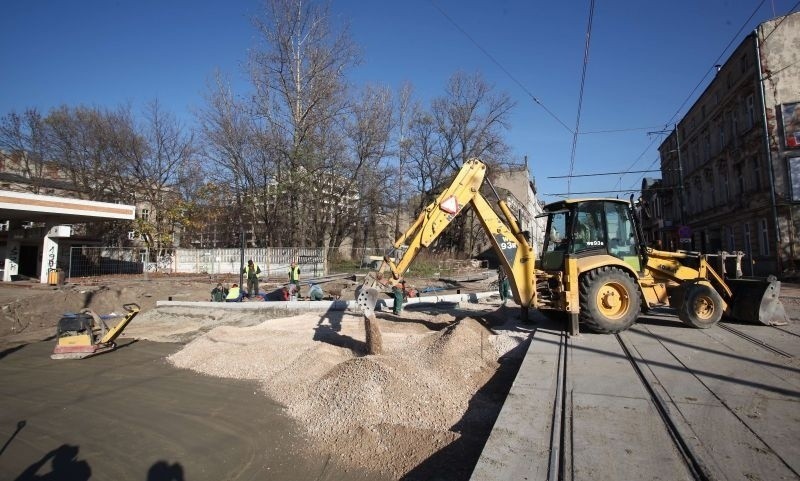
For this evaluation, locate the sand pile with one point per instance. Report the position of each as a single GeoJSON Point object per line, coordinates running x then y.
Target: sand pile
{"type": "Point", "coordinates": [388, 412]}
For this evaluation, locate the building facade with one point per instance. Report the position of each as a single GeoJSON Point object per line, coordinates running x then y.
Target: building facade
{"type": "Point", "coordinates": [521, 197]}
{"type": "Point", "coordinates": [729, 164]}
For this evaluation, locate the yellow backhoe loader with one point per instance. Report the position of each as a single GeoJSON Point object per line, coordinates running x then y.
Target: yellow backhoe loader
{"type": "Point", "coordinates": [86, 334]}
{"type": "Point", "coordinates": [594, 266]}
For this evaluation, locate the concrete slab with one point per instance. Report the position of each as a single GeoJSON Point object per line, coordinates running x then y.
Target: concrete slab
{"type": "Point", "coordinates": [738, 401]}
{"type": "Point", "coordinates": [338, 305]}
{"type": "Point", "coordinates": [616, 432]}
{"type": "Point", "coordinates": [779, 338]}
{"type": "Point", "coordinates": [519, 445]}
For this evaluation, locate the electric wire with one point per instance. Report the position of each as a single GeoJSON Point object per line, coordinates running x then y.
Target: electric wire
{"type": "Point", "coordinates": [716, 62]}
{"type": "Point", "coordinates": [780, 22]}
{"type": "Point", "coordinates": [580, 95]}
{"type": "Point", "coordinates": [600, 173]}
{"type": "Point", "coordinates": [730, 43]}
{"type": "Point", "coordinates": [702, 80]}
{"type": "Point", "coordinates": [500, 66]}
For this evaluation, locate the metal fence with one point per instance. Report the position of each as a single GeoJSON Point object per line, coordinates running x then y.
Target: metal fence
{"type": "Point", "coordinates": [273, 261]}
{"type": "Point", "coordinates": [101, 261]}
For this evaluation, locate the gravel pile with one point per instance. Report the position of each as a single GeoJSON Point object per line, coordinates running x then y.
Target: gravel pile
{"type": "Point", "coordinates": [385, 412]}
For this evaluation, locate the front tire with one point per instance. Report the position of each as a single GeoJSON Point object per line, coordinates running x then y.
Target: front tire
{"type": "Point", "coordinates": [701, 307]}
{"type": "Point", "coordinates": [609, 300]}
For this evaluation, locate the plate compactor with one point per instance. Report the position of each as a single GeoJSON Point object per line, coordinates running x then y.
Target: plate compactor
{"type": "Point", "coordinates": [86, 334]}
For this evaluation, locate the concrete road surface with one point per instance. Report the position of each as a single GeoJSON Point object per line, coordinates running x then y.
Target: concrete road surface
{"type": "Point", "coordinates": [129, 415]}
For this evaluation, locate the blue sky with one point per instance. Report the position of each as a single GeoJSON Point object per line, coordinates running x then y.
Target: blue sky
{"type": "Point", "coordinates": [645, 59]}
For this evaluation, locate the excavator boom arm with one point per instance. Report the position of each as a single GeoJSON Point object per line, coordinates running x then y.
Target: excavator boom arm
{"type": "Point", "coordinates": [508, 241]}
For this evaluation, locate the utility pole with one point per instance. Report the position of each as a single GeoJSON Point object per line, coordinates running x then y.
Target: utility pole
{"type": "Point", "coordinates": [677, 151]}
{"type": "Point", "coordinates": [680, 176]}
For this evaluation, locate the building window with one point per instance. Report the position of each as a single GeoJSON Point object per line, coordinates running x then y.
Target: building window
{"type": "Point", "coordinates": [750, 111]}
{"type": "Point", "coordinates": [756, 173]}
{"type": "Point", "coordinates": [723, 175]}
{"type": "Point", "coordinates": [794, 174]}
{"type": "Point", "coordinates": [743, 63]}
{"type": "Point", "coordinates": [763, 237]}
{"type": "Point", "coordinates": [748, 247]}
{"type": "Point", "coordinates": [737, 170]}
{"type": "Point", "coordinates": [713, 191]}
{"type": "Point", "coordinates": [731, 244]}
{"type": "Point", "coordinates": [144, 214]}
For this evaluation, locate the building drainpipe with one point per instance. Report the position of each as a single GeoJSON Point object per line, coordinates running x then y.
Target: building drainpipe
{"type": "Point", "coordinates": [768, 151]}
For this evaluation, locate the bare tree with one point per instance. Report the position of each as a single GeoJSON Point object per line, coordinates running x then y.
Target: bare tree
{"type": "Point", "coordinates": [467, 121]}
{"type": "Point", "coordinates": [404, 109]}
{"type": "Point", "coordinates": [227, 143]}
{"type": "Point", "coordinates": [427, 166]}
{"type": "Point", "coordinates": [156, 158]}
{"type": "Point", "coordinates": [85, 143]}
{"type": "Point", "coordinates": [23, 136]}
{"type": "Point", "coordinates": [301, 96]}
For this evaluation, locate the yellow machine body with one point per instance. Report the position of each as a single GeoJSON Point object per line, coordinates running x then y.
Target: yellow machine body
{"type": "Point", "coordinates": [86, 334]}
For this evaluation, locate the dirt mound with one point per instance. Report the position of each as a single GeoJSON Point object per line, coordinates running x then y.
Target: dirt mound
{"type": "Point", "coordinates": [388, 412]}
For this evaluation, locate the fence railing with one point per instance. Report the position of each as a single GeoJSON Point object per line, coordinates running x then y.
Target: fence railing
{"type": "Point", "coordinates": [273, 261]}
{"type": "Point", "coordinates": [102, 261]}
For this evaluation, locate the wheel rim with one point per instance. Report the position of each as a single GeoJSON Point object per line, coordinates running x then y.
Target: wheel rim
{"type": "Point", "coordinates": [704, 308]}
{"type": "Point", "coordinates": [613, 300]}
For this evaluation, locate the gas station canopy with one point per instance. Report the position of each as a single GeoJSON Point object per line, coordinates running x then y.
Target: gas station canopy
{"type": "Point", "coordinates": [59, 210]}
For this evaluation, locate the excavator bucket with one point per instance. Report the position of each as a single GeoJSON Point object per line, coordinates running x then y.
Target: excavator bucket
{"type": "Point", "coordinates": [367, 300]}
{"type": "Point", "coordinates": [757, 300]}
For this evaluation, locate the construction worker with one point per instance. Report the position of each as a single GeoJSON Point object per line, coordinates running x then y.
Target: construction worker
{"type": "Point", "coordinates": [251, 271]}
{"type": "Point", "coordinates": [503, 285]}
{"type": "Point", "coordinates": [294, 275]}
{"type": "Point", "coordinates": [219, 293]}
{"type": "Point", "coordinates": [315, 293]}
{"type": "Point", "coordinates": [234, 294]}
{"type": "Point", "coordinates": [398, 292]}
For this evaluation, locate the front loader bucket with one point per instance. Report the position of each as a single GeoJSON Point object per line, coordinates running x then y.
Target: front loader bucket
{"type": "Point", "coordinates": [756, 300]}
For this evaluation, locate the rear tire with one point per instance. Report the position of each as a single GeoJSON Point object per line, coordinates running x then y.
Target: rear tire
{"type": "Point", "coordinates": [609, 299]}
{"type": "Point", "coordinates": [701, 307]}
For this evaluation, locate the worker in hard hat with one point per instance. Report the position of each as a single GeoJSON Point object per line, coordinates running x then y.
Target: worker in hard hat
{"type": "Point", "coordinates": [251, 271]}
{"type": "Point", "coordinates": [294, 274]}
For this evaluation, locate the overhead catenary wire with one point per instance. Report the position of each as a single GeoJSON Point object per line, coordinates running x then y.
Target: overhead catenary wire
{"type": "Point", "coordinates": [580, 95]}
{"type": "Point", "coordinates": [780, 22]}
{"type": "Point", "coordinates": [722, 54]}
{"type": "Point", "coordinates": [500, 66]}
{"type": "Point", "coordinates": [715, 63]}
{"type": "Point", "coordinates": [601, 173]}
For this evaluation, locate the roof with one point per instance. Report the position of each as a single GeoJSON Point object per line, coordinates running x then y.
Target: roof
{"type": "Point", "coordinates": [567, 203]}
{"type": "Point", "coordinates": [59, 210]}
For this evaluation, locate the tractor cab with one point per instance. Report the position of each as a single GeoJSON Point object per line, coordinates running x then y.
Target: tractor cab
{"type": "Point", "coordinates": [590, 227]}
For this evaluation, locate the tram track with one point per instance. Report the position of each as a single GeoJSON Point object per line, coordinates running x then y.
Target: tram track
{"type": "Point", "coordinates": [786, 331]}
{"type": "Point", "coordinates": [557, 468]}
{"type": "Point", "coordinates": [754, 340]}
{"type": "Point", "coordinates": [692, 460]}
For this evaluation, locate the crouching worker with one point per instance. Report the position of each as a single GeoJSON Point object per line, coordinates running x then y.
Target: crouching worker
{"type": "Point", "coordinates": [234, 294]}
{"type": "Point", "coordinates": [219, 293]}
{"type": "Point", "coordinates": [315, 293]}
